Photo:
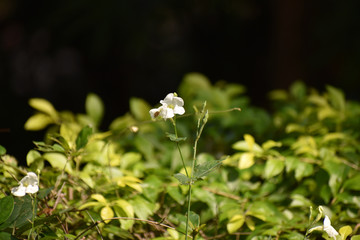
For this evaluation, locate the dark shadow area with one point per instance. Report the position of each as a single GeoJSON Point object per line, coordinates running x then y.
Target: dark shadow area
{"type": "Point", "coordinates": [118, 49]}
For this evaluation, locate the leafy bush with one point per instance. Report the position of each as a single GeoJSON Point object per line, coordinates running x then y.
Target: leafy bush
{"type": "Point", "coordinates": [281, 173]}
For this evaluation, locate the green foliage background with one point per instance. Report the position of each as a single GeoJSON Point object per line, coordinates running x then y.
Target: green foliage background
{"type": "Point", "coordinates": [277, 168]}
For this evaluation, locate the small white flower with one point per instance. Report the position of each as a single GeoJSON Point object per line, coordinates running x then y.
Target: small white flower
{"type": "Point", "coordinates": [29, 184]}
{"type": "Point", "coordinates": [171, 105]}
{"type": "Point", "coordinates": [329, 229]}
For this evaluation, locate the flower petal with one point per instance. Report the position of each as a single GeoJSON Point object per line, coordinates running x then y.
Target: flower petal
{"type": "Point", "coordinates": [167, 113]}
{"type": "Point", "coordinates": [179, 110]}
{"type": "Point", "coordinates": [18, 191]}
{"type": "Point", "coordinates": [154, 113]}
{"type": "Point", "coordinates": [32, 189]}
{"type": "Point", "coordinates": [329, 229]}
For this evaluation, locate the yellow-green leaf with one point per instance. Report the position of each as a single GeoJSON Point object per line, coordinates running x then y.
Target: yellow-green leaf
{"type": "Point", "coordinates": [89, 204]}
{"type": "Point", "coordinates": [59, 161]}
{"type": "Point", "coordinates": [246, 160]}
{"type": "Point", "coordinates": [87, 179]}
{"type": "Point", "coordinates": [94, 108]}
{"type": "Point", "coordinates": [140, 109]}
{"type": "Point", "coordinates": [126, 207]}
{"type": "Point", "coordinates": [270, 144]}
{"type": "Point", "coordinates": [32, 156]}
{"type": "Point", "coordinates": [250, 141]}
{"type": "Point", "coordinates": [99, 198]}
{"type": "Point", "coordinates": [250, 223]}
{"type": "Point", "coordinates": [44, 106]}
{"type": "Point", "coordinates": [106, 213]}
{"type": "Point", "coordinates": [37, 122]}
{"type": "Point", "coordinates": [345, 231]}
{"type": "Point", "coordinates": [235, 223]}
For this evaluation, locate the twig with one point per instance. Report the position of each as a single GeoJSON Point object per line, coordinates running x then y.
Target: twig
{"type": "Point", "coordinates": [127, 218]}
{"type": "Point", "coordinates": [97, 228]}
{"type": "Point", "coordinates": [224, 194]}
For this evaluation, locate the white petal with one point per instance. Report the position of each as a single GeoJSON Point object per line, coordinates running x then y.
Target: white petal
{"type": "Point", "coordinates": [178, 101]}
{"type": "Point", "coordinates": [329, 229]}
{"type": "Point", "coordinates": [32, 189]}
{"type": "Point", "coordinates": [167, 113]}
{"type": "Point", "coordinates": [18, 191]}
{"type": "Point", "coordinates": [179, 110]}
{"type": "Point", "coordinates": [168, 99]}
{"type": "Point", "coordinates": [154, 112]}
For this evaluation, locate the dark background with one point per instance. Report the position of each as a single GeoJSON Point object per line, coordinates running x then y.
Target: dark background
{"type": "Point", "coordinates": [61, 50]}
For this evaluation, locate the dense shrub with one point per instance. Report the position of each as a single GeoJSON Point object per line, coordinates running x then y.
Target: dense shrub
{"type": "Point", "coordinates": [280, 173]}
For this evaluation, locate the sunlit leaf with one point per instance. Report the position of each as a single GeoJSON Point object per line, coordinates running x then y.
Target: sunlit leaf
{"type": "Point", "coordinates": [140, 109]}
{"type": "Point", "coordinates": [235, 223]}
{"type": "Point", "coordinates": [94, 108]}
{"type": "Point", "coordinates": [345, 231]}
{"type": "Point", "coordinates": [44, 106]}
{"type": "Point", "coordinates": [100, 198]}
{"type": "Point", "coordinates": [273, 167]}
{"type": "Point", "coordinates": [106, 213]}
{"type": "Point", "coordinates": [37, 122]}
{"type": "Point", "coordinates": [32, 156]}
{"type": "Point", "coordinates": [59, 161]}
{"type": "Point", "coordinates": [246, 160]}
{"type": "Point", "coordinates": [336, 97]}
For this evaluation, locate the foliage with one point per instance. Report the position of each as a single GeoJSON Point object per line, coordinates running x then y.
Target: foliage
{"type": "Point", "coordinates": [124, 182]}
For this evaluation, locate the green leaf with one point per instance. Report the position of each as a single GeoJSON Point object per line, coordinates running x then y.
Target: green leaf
{"type": "Point", "coordinates": [82, 138]}
{"type": "Point", "coordinates": [44, 106]}
{"type": "Point", "coordinates": [356, 237]}
{"type": "Point", "coordinates": [303, 169]}
{"type": "Point", "coordinates": [353, 183]}
{"type": "Point", "coordinates": [235, 223]}
{"type": "Point", "coordinates": [175, 193]}
{"type": "Point", "coordinates": [37, 122]}
{"type": "Point", "coordinates": [184, 180]}
{"type": "Point", "coordinates": [173, 137]}
{"type": "Point", "coordinates": [205, 168]}
{"type": "Point", "coordinates": [94, 108]}
{"type": "Point", "coordinates": [246, 160]}
{"type": "Point", "coordinates": [6, 206]}
{"type": "Point", "coordinates": [44, 192]}
{"type": "Point", "coordinates": [336, 97]}
{"type": "Point", "coordinates": [59, 161]}
{"type": "Point", "coordinates": [21, 214]}
{"type": "Point", "coordinates": [273, 167]}
{"type": "Point", "coordinates": [194, 220]}
{"type": "Point", "coordinates": [142, 208]}
{"type": "Point", "coordinates": [140, 109]}
{"type": "Point", "coordinates": [32, 156]}
{"type": "Point", "coordinates": [6, 236]}
{"type": "Point", "coordinates": [345, 231]}
{"type": "Point", "coordinates": [106, 213]}
{"type": "Point", "coordinates": [2, 150]}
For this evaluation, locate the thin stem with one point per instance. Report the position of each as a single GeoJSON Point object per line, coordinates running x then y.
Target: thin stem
{"type": "Point", "coordinates": [178, 146]}
{"type": "Point", "coordinates": [33, 201]}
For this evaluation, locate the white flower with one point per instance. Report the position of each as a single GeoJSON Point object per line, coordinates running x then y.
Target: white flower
{"type": "Point", "coordinates": [329, 229]}
{"type": "Point", "coordinates": [171, 105]}
{"type": "Point", "coordinates": [29, 184]}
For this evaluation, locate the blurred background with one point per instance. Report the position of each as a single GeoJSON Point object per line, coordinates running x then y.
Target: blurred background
{"type": "Point", "coordinates": [61, 50]}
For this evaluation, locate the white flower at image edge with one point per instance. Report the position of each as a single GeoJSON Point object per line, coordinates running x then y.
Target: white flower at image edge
{"type": "Point", "coordinates": [29, 184]}
{"type": "Point", "coordinates": [329, 229]}
{"type": "Point", "coordinates": [171, 105]}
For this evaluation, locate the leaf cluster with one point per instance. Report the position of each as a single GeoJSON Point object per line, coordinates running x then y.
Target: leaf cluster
{"type": "Point", "coordinates": [122, 183]}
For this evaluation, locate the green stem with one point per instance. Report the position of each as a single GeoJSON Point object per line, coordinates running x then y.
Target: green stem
{"type": "Point", "coordinates": [178, 146]}
{"type": "Point", "coordinates": [33, 201]}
